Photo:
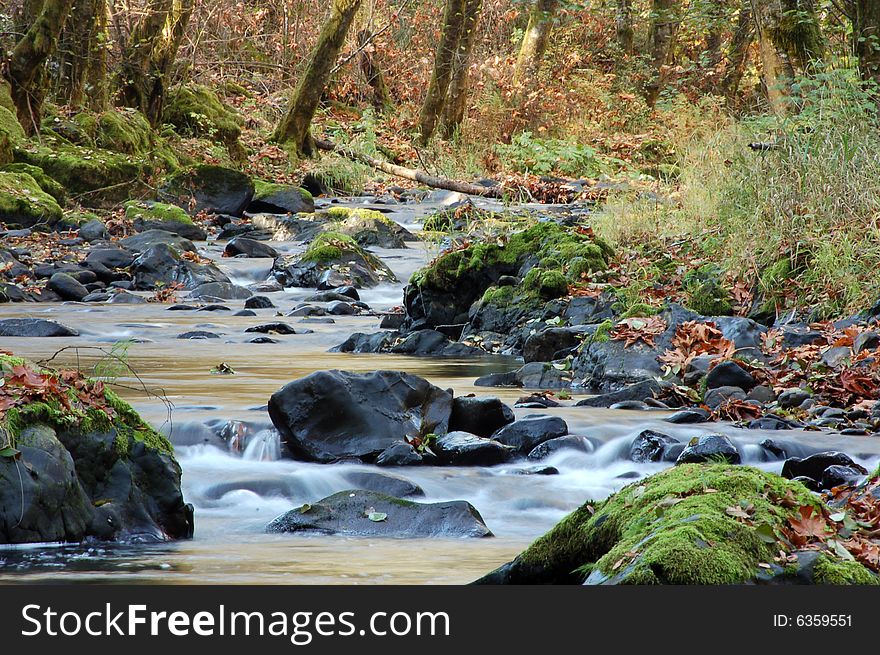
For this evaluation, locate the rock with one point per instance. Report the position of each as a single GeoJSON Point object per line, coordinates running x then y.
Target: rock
{"type": "Point", "coordinates": [761, 394]}
{"type": "Point", "coordinates": [840, 476]}
{"type": "Point", "coordinates": [93, 230]}
{"type": "Point", "coordinates": [242, 246]}
{"type": "Point", "coordinates": [213, 189]}
{"type": "Point", "coordinates": [214, 308]}
{"type": "Point", "coordinates": [110, 257]}
{"type": "Point", "coordinates": [365, 343]}
{"type": "Point", "coordinates": [159, 216]}
{"type": "Point", "coordinates": [24, 204]}
{"type": "Point", "coordinates": [348, 291]}
{"type": "Point", "coordinates": [480, 416]}
{"type": "Point", "coordinates": [263, 340]}
{"type": "Point", "coordinates": [527, 433]}
{"type": "Point", "coordinates": [67, 287]}
{"type": "Point", "coordinates": [729, 374]}
{"type": "Point", "coordinates": [836, 356]}
{"type": "Point", "coordinates": [540, 375]}
{"type": "Point", "coordinates": [651, 446]}
{"type": "Point", "coordinates": [690, 415]}
{"type": "Point", "coordinates": [709, 448]}
{"type": "Point", "coordinates": [272, 328]}
{"type": "Point", "coordinates": [143, 241]}
{"type": "Point", "coordinates": [348, 513]}
{"type": "Point", "coordinates": [465, 449]}
{"type": "Point", "coordinates": [568, 442]}
{"type": "Point", "coordinates": [814, 466]}
{"type": "Point", "coordinates": [162, 266]}
{"type": "Point", "coordinates": [280, 199]}
{"type": "Point", "coordinates": [331, 415]}
{"type": "Point", "coordinates": [307, 310]}
{"type": "Point", "coordinates": [638, 391]}
{"type": "Point", "coordinates": [258, 302]}
{"type": "Point", "coordinates": [716, 397]}
{"type": "Point", "coordinates": [383, 483]}
{"type": "Point", "coordinates": [34, 327]}
{"type": "Point", "coordinates": [222, 290]}
{"type": "Point", "coordinates": [537, 470]}
{"type": "Point", "coordinates": [198, 334]}
{"type": "Point", "coordinates": [498, 380]}
{"type": "Point", "coordinates": [391, 321]}
{"type": "Point", "coordinates": [370, 227]}
{"type": "Point", "coordinates": [432, 343]}
{"type": "Point", "coordinates": [125, 298]}
{"type": "Point", "coordinates": [551, 344]}
{"type": "Point", "coordinates": [399, 453]}
{"type": "Point", "coordinates": [339, 308]}
{"type": "Point", "coordinates": [866, 341]}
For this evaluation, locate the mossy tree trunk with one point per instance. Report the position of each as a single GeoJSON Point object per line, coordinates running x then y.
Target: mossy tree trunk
{"type": "Point", "coordinates": [743, 37]}
{"type": "Point", "coordinates": [149, 56]}
{"type": "Point", "coordinates": [534, 42]}
{"type": "Point", "coordinates": [373, 74]}
{"type": "Point", "coordinates": [623, 23]}
{"type": "Point", "coordinates": [295, 126]}
{"type": "Point", "coordinates": [777, 69]}
{"type": "Point", "coordinates": [457, 95]}
{"type": "Point", "coordinates": [82, 56]}
{"type": "Point", "coordinates": [26, 66]}
{"type": "Point", "coordinates": [664, 27]}
{"type": "Point", "coordinates": [438, 88]}
{"type": "Point", "coordinates": [866, 38]}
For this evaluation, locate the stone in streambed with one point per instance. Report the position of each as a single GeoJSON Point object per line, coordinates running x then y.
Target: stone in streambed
{"type": "Point", "coordinates": [729, 374]}
{"type": "Point", "coordinates": [651, 446]}
{"type": "Point", "coordinates": [258, 302]}
{"type": "Point", "coordinates": [465, 449]}
{"type": "Point", "coordinates": [384, 483]}
{"type": "Point", "coordinates": [34, 327]}
{"type": "Point", "coordinates": [527, 433]}
{"type": "Point", "coordinates": [370, 514]}
{"type": "Point", "coordinates": [480, 416]}
{"type": "Point", "coordinates": [568, 442]}
{"type": "Point", "coordinates": [815, 465]}
{"type": "Point", "coordinates": [67, 287]}
{"type": "Point", "coordinates": [244, 247]}
{"type": "Point", "coordinates": [709, 448]}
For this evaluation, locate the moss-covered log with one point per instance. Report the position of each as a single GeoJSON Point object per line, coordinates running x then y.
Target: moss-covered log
{"type": "Point", "coordinates": [457, 94]}
{"type": "Point", "coordinates": [295, 127]}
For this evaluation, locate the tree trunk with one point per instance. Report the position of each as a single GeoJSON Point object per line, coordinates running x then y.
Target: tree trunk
{"type": "Point", "coordinates": [438, 88]}
{"type": "Point", "coordinates": [82, 61]}
{"type": "Point", "coordinates": [743, 37]}
{"type": "Point", "coordinates": [149, 56]}
{"type": "Point", "coordinates": [26, 65]}
{"type": "Point", "coordinates": [534, 43]}
{"type": "Point", "coordinates": [626, 34]}
{"type": "Point", "coordinates": [777, 70]}
{"type": "Point", "coordinates": [295, 127]}
{"type": "Point", "coordinates": [373, 74]}
{"type": "Point", "coordinates": [866, 38]}
{"type": "Point", "coordinates": [664, 26]}
{"type": "Point", "coordinates": [457, 96]}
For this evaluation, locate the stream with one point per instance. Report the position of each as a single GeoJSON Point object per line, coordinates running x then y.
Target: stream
{"type": "Point", "coordinates": [236, 495]}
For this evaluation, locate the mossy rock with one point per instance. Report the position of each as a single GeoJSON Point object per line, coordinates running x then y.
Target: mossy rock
{"type": "Point", "coordinates": [368, 227]}
{"type": "Point", "coordinates": [685, 525]}
{"type": "Point", "coordinates": [274, 198]}
{"type": "Point", "coordinates": [333, 259]}
{"type": "Point", "coordinates": [24, 203]}
{"type": "Point", "coordinates": [195, 110]}
{"type": "Point", "coordinates": [547, 284]}
{"type": "Point", "coordinates": [160, 212]}
{"type": "Point", "coordinates": [6, 97]}
{"type": "Point", "coordinates": [209, 188]}
{"type": "Point", "coordinates": [73, 220]}
{"type": "Point", "coordinates": [706, 294]}
{"type": "Point", "coordinates": [11, 133]}
{"type": "Point", "coordinates": [47, 184]}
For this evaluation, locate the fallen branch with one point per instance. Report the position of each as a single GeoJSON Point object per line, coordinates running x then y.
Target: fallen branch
{"type": "Point", "coordinates": [411, 173]}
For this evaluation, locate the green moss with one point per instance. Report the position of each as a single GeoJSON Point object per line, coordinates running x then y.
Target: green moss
{"type": "Point", "coordinates": [839, 572]}
{"type": "Point", "coordinates": [47, 184]}
{"type": "Point", "coordinates": [24, 203]}
{"type": "Point", "coordinates": [640, 309]}
{"type": "Point", "coordinates": [546, 284]}
{"type": "Point", "coordinates": [76, 219]}
{"type": "Point", "coordinates": [123, 130]}
{"type": "Point", "coordinates": [10, 125]}
{"type": "Point", "coordinates": [331, 246]}
{"type": "Point", "coordinates": [344, 213]}
{"type": "Point", "coordinates": [195, 110]}
{"type": "Point", "coordinates": [155, 211]}
{"type": "Point", "coordinates": [675, 528]}
{"type": "Point", "coordinates": [442, 221]}
{"type": "Point", "coordinates": [709, 299]}
{"type": "Point", "coordinates": [603, 332]}
{"type": "Point", "coordinates": [501, 296]}
{"type": "Point", "coordinates": [264, 189]}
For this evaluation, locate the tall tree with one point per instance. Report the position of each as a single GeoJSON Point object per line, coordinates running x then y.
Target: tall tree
{"type": "Point", "coordinates": [372, 73]}
{"type": "Point", "coordinates": [82, 56]}
{"type": "Point", "coordinates": [866, 37]}
{"type": "Point", "coordinates": [25, 69]}
{"type": "Point", "coordinates": [295, 126]}
{"type": "Point", "coordinates": [664, 28]}
{"type": "Point", "coordinates": [623, 22]}
{"type": "Point", "coordinates": [743, 37]}
{"type": "Point", "coordinates": [457, 95]}
{"type": "Point", "coordinates": [441, 77]}
{"type": "Point", "coordinates": [534, 42]}
{"type": "Point", "coordinates": [149, 55]}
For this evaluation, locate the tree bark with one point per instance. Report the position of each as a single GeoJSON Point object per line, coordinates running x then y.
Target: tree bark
{"type": "Point", "coordinates": [664, 26]}
{"type": "Point", "coordinates": [534, 43]}
{"type": "Point", "coordinates": [626, 35]}
{"type": "Point", "coordinates": [438, 88]}
{"type": "Point", "coordinates": [743, 37]}
{"type": "Point", "coordinates": [82, 61]}
{"type": "Point", "coordinates": [149, 56]}
{"type": "Point", "coordinates": [412, 173]}
{"type": "Point", "coordinates": [866, 38]}
{"type": "Point", "coordinates": [295, 126]}
{"type": "Point", "coordinates": [26, 67]}
{"type": "Point", "coordinates": [457, 95]}
{"type": "Point", "coordinates": [777, 70]}
{"type": "Point", "coordinates": [373, 74]}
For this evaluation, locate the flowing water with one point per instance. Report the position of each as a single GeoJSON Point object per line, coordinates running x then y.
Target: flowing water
{"type": "Point", "coordinates": [236, 494]}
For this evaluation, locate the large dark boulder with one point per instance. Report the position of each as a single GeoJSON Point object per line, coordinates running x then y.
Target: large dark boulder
{"type": "Point", "coordinates": [527, 433]}
{"type": "Point", "coordinates": [280, 199]}
{"type": "Point", "coordinates": [480, 416]}
{"type": "Point", "coordinates": [138, 243]}
{"type": "Point", "coordinates": [465, 449]}
{"type": "Point", "coordinates": [370, 514]}
{"type": "Point", "coordinates": [709, 448]}
{"type": "Point", "coordinates": [67, 287]}
{"type": "Point", "coordinates": [34, 327]}
{"type": "Point", "coordinates": [729, 374]}
{"type": "Point", "coordinates": [162, 266]}
{"type": "Point", "coordinates": [651, 446]}
{"type": "Point", "coordinates": [815, 465]}
{"type": "Point", "coordinates": [209, 188]}
{"type": "Point", "coordinates": [331, 415]}
{"type": "Point", "coordinates": [244, 247]}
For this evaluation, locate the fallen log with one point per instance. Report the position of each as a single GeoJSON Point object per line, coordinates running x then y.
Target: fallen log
{"type": "Point", "coordinates": [411, 173]}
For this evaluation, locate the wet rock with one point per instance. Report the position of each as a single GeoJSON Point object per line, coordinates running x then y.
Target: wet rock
{"type": "Point", "coordinates": [709, 448]}
{"type": "Point", "coordinates": [209, 188]}
{"type": "Point", "coordinates": [348, 291]}
{"type": "Point", "coordinates": [537, 470]}
{"type": "Point", "coordinates": [791, 398]}
{"type": "Point", "coordinates": [125, 298]}
{"type": "Point", "coordinates": [213, 307]}
{"type": "Point", "coordinates": [539, 375]}
{"type": "Point", "coordinates": [67, 287]}
{"type": "Point", "coordinates": [348, 513]}
{"type": "Point", "coordinates": [198, 334]}
{"type": "Point", "coordinates": [399, 453]}
{"type": "Point", "coordinates": [307, 310]}
{"type": "Point", "coordinates": [639, 391]}
{"type": "Point", "coordinates": [182, 308]}
{"type": "Point", "coordinates": [840, 476]}
{"type": "Point", "coordinates": [272, 328]}
{"type": "Point", "coordinates": [498, 380]}
{"type": "Point", "coordinates": [280, 199]}
{"type": "Point", "coordinates": [568, 442]}
{"type": "Point", "coordinates": [330, 415]}
{"type": "Point", "coordinates": [34, 327]}
{"type": "Point", "coordinates": [729, 374]}
{"type": "Point", "coordinates": [716, 397]}
{"type": "Point", "coordinates": [465, 449]}
{"type": "Point", "coordinates": [365, 343]}
{"type": "Point", "coordinates": [527, 433]}
{"type": "Point", "coordinates": [242, 246]}
{"type": "Point", "coordinates": [110, 257]}
{"type": "Point", "coordinates": [258, 302]}
{"type": "Point", "coordinates": [138, 243]}
{"type": "Point", "coordinates": [383, 483]}
{"type": "Point", "coordinates": [551, 343]}
{"type": "Point", "coordinates": [770, 422]}
{"type": "Point", "coordinates": [93, 230]}
{"type": "Point", "coordinates": [391, 321]}
{"type": "Point", "coordinates": [222, 290]}
{"type": "Point", "coordinates": [340, 308]}
{"type": "Point", "coordinates": [651, 446]}
{"type": "Point", "coordinates": [431, 342]}
{"type": "Point", "coordinates": [761, 394]}
{"type": "Point", "coordinates": [814, 466]}
{"type": "Point", "coordinates": [161, 265]}
{"type": "Point", "coordinates": [480, 416]}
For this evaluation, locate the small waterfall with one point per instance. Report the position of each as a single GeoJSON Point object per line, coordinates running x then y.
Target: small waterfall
{"type": "Point", "coordinates": [264, 446]}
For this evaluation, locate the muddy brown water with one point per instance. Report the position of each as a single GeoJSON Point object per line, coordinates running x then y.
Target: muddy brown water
{"type": "Point", "coordinates": [230, 545]}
